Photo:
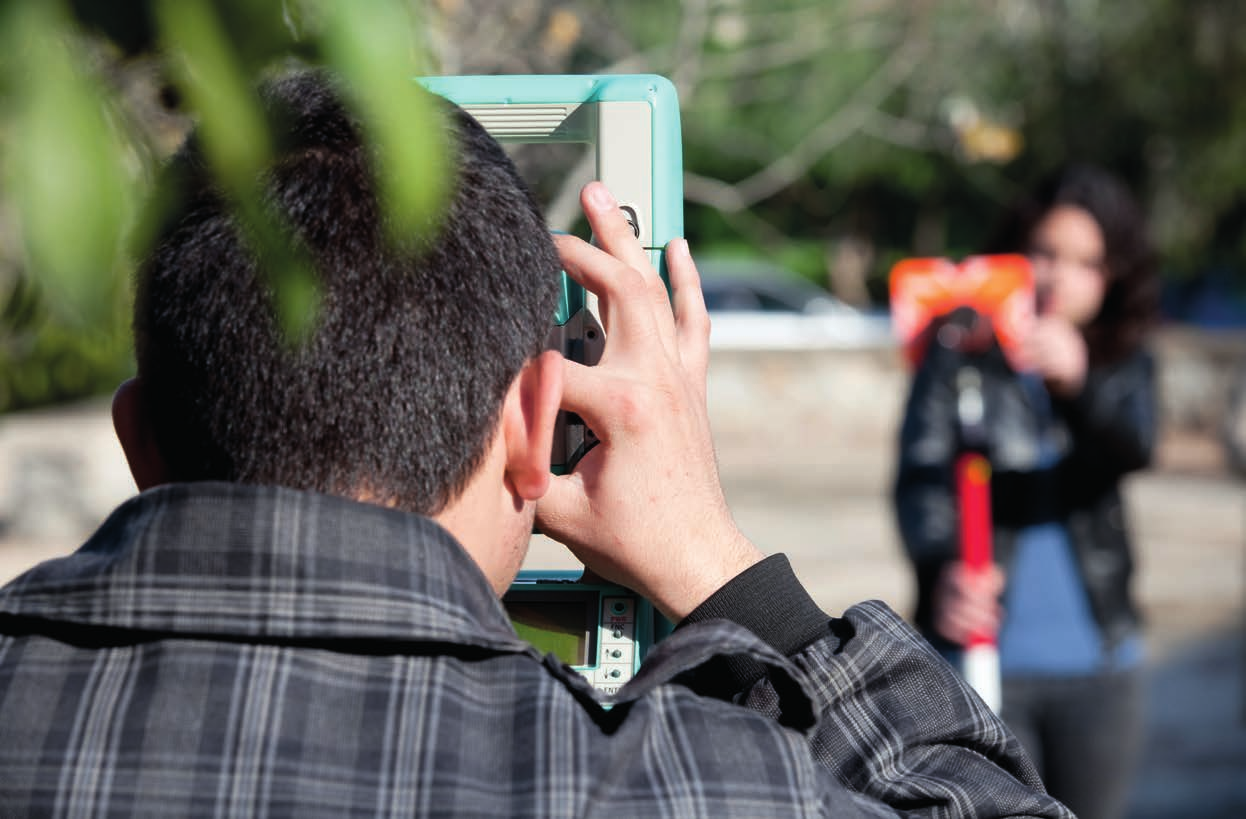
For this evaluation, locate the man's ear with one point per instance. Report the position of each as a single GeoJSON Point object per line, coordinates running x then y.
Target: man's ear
{"type": "Point", "coordinates": [528, 417]}
{"type": "Point", "coordinates": [129, 419]}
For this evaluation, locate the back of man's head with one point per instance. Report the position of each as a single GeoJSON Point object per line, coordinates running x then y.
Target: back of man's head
{"type": "Point", "coordinates": [395, 391]}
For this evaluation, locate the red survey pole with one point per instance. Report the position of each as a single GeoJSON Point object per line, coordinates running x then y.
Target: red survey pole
{"type": "Point", "coordinates": [973, 502]}
{"type": "Point", "coordinates": [973, 492]}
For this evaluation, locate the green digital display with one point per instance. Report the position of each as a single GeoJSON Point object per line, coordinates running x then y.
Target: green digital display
{"type": "Point", "coordinates": [563, 628]}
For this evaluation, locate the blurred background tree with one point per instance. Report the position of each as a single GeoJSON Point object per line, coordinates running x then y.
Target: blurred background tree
{"type": "Point", "coordinates": [833, 136]}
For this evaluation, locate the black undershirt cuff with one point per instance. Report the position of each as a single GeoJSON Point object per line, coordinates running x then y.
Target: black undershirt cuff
{"type": "Point", "coordinates": [769, 601]}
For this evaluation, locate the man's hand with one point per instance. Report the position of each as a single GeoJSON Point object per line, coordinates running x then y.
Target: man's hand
{"type": "Point", "coordinates": [966, 602]}
{"type": "Point", "coordinates": [644, 507]}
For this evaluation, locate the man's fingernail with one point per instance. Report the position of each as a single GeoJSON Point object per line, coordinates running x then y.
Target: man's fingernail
{"type": "Point", "coordinates": [600, 196]}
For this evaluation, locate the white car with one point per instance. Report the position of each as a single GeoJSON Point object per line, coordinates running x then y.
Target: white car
{"type": "Point", "coordinates": [764, 307]}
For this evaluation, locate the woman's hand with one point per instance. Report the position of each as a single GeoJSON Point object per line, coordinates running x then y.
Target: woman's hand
{"type": "Point", "coordinates": [1056, 350]}
{"type": "Point", "coordinates": [966, 602]}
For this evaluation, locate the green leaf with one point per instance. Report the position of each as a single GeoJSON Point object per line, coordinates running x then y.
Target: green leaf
{"type": "Point", "coordinates": [230, 124]}
{"type": "Point", "coordinates": [238, 146]}
{"type": "Point", "coordinates": [64, 167]}
{"type": "Point", "coordinates": [372, 45]}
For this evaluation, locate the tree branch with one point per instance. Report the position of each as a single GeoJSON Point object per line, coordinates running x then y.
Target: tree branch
{"type": "Point", "coordinates": [788, 168]}
{"type": "Point", "coordinates": [905, 133]}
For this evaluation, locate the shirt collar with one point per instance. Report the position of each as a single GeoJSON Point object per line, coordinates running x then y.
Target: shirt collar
{"type": "Point", "coordinates": [259, 562]}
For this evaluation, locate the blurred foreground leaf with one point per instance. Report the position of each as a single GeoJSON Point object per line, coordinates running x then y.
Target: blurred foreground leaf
{"type": "Point", "coordinates": [237, 144]}
{"type": "Point", "coordinates": [372, 46]}
{"type": "Point", "coordinates": [65, 166]}
{"type": "Point", "coordinates": [208, 72]}
{"type": "Point", "coordinates": [72, 174]}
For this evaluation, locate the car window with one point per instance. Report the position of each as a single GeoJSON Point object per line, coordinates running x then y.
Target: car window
{"type": "Point", "coordinates": [719, 297]}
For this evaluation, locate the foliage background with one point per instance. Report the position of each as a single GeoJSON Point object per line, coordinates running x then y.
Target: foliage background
{"type": "Point", "coordinates": [834, 136]}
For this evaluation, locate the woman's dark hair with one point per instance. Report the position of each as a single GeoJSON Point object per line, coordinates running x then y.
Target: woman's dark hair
{"type": "Point", "coordinates": [399, 385]}
{"type": "Point", "coordinates": [1131, 301]}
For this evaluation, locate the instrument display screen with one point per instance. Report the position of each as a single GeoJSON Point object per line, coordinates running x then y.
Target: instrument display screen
{"type": "Point", "coordinates": [565, 625]}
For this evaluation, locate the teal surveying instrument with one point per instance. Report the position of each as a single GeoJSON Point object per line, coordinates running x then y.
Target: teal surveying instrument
{"type": "Point", "coordinates": [602, 630]}
{"type": "Point", "coordinates": [631, 122]}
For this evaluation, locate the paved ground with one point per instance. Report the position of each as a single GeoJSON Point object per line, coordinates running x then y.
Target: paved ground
{"type": "Point", "coordinates": [819, 494]}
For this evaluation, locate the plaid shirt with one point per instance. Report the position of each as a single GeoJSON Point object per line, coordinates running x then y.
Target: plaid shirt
{"type": "Point", "coordinates": [219, 650]}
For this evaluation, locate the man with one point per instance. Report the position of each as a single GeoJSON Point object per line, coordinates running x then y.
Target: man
{"type": "Point", "coordinates": [299, 614]}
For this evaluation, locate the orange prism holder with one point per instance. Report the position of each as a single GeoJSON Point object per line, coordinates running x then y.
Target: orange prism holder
{"type": "Point", "coordinates": [999, 287]}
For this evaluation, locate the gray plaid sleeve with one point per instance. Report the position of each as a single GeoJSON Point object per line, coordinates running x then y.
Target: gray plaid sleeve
{"type": "Point", "coordinates": [897, 724]}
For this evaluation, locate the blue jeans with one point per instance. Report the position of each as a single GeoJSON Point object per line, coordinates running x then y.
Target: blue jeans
{"type": "Point", "coordinates": [1084, 733]}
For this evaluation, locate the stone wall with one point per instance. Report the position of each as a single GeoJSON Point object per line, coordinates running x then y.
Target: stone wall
{"type": "Point", "coordinates": [1196, 370]}
{"type": "Point", "coordinates": [774, 399]}
{"type": "Point", "coordinates": [61, 470]}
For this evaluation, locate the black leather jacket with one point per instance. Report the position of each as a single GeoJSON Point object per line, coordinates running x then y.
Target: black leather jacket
{"type": "Point", "coordinates": [1103, 433]}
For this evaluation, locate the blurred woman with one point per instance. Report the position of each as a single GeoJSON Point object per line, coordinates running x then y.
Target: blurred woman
{"type": "Point", "coordinates": [1065, 419]}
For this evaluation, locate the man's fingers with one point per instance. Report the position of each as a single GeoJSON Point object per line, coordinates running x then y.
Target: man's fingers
{"type": "Point", "coordinates": [616, 284]}
{"type": "Point", "coordinates": [610, 227]}
{"type": "Point", "coordinates": [583, 391]}
{"type": "Point", "coordinates": [559, 506]}
{"type": "Point", "coordinates": [613, 233]}
{"type": "Point", "coordinates": [692, 322]}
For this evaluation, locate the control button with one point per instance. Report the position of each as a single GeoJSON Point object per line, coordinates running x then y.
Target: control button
{"type": "Point", "coordinates": [617, 633]}
{"type": "Point", "coordinates": [615, 653]}
{"type": "Point", "coordinates": [618, 609]}
{"type": "Point", "coordinates": [611, 675]}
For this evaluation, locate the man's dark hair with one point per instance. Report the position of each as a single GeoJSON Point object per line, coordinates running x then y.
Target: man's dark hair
{"type": "Point", "coordinates": [394, 392]}
{"type": "Point", "coordinates": [1131, 301]}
